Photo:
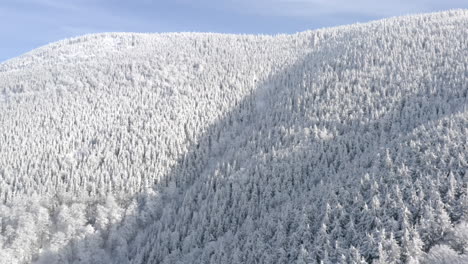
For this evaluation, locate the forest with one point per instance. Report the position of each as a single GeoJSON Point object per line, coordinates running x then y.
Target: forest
{"type": "Point", "coordinates": [337, 145]}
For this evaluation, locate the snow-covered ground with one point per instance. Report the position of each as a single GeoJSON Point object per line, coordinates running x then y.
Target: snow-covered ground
{"type": "Point", "coordinates": [338, 145]}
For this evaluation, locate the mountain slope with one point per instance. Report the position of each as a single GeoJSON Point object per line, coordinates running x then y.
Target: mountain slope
{"type": "Point", "coordinates": [338, 145]}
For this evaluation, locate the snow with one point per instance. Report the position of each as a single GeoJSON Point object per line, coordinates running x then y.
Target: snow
{"type": "Point", "coordinates": [345, 144]}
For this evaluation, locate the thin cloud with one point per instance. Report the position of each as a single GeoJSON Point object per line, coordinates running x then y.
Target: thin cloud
{"type": "Point", "coordinates": [305, 8]}
{"type": "Point", "coordinates": [54, 4]}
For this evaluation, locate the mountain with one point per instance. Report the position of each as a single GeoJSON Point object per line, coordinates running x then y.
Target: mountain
{"type": "Point", "coordinates": [339, 145]}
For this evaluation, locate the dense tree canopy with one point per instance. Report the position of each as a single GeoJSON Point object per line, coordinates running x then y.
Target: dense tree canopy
{"type": "Point", "coordinates": [341, 145]}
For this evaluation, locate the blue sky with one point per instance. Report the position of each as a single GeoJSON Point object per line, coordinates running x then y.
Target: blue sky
{"type": "Point", "coordinates": [28, 24]}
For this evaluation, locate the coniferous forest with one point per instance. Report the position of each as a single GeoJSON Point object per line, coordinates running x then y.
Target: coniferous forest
{"type": "Point", "coordinates": [338, 145]}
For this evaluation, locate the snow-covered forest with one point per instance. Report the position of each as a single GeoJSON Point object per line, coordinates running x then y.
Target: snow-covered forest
{"type": "Point", "coordinates": [340, 145]}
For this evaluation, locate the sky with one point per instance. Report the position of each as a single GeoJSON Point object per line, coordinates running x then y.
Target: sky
{"type": "Point", "coordinates": [29, 24]}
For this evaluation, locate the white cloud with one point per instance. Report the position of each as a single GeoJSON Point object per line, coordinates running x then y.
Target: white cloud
{"type": "Point", "coordinates": [56, 4]}
{"type": "Point", "coordinates": [305, 8]}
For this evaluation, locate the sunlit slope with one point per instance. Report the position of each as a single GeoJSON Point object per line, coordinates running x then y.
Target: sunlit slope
{"type": "Point", "coordinates": [337, 145]}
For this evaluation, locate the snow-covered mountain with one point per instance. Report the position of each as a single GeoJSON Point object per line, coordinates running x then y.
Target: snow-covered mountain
{"type": "Point", "coordinates": [340, 145]}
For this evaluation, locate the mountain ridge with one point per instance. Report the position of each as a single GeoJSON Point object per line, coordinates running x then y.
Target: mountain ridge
{"type": "Point", "coordinates": [330, 146]}
{"type": "Point", "coordinates": [78, 39]}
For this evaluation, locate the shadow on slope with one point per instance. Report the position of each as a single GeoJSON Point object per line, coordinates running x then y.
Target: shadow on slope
{"type": "Point", "coordinates": [286, 150]}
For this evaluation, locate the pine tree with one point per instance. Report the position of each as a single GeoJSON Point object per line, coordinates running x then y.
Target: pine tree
{"type": "Point", "coordinates": [354, 256]}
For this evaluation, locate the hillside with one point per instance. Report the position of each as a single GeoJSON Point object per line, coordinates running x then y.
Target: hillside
{"type": "Point", "coordinates": [340, 145]}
